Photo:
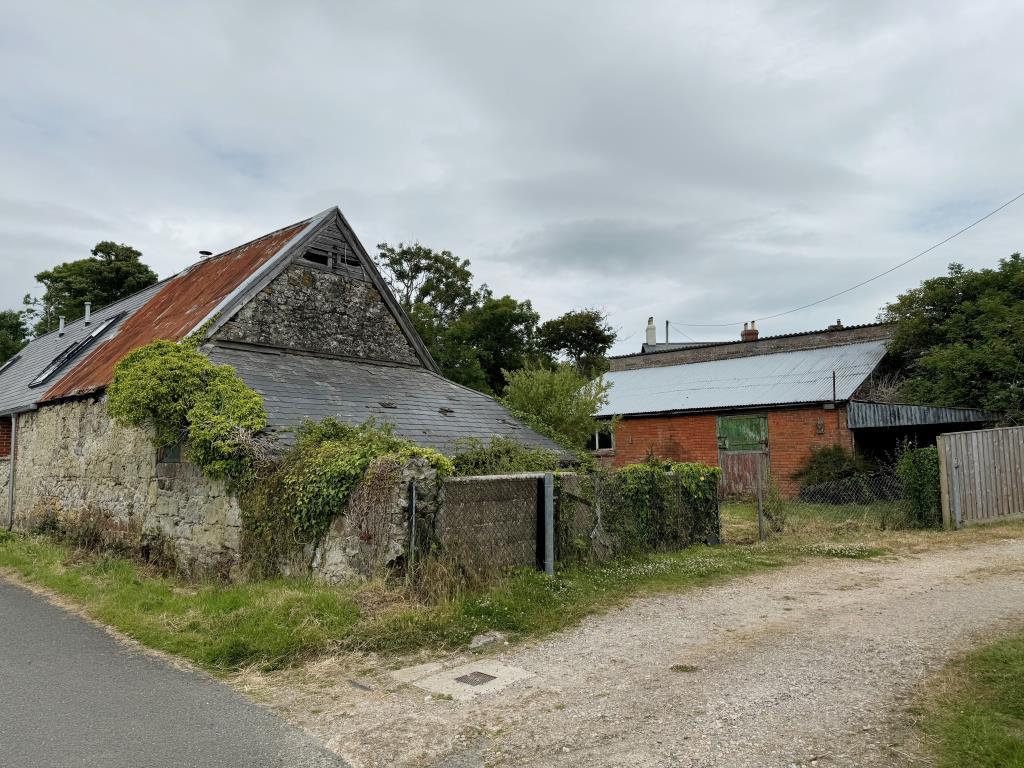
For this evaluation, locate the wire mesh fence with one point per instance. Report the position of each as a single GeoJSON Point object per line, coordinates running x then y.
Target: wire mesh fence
{"type": "Point", "coordinates": [879, 496]}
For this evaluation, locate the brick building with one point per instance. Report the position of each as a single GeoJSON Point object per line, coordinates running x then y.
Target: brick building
{"type": "Point", "coordinates": [767, 400]}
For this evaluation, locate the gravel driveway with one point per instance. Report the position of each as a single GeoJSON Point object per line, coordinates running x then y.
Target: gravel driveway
{"type": "Point", "coordinates": [811, 665]}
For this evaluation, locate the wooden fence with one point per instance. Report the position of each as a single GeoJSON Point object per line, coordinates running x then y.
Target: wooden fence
{"type": "Point", "coordinates": [981, 475]}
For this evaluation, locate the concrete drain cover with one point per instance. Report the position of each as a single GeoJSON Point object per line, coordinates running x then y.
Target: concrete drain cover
{"type": "Point", "coordinates": [476, 678]}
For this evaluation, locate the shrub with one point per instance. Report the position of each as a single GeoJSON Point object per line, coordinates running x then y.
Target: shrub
{"type": "Point", "coordinates": [501, 456]}
{"type": "Point", "coordinates": [831, 463]}
{"type": "Point", "coordinates": [561, 398]}
{"type": "Point", "coordinates": [178, 393]}
{"type": "Point", "coordinates": [918, 468]}
{"type": "Point", "coordinates": [658, 505]}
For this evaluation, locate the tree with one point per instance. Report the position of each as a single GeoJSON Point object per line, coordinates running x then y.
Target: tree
{"type": "Point", "coordinates": [562, 398]}
{"type": "Point", "coordinates": [471, 335]}
{"type": "Point", "coordinates": [113, 272]}
{"type": "Point", "coordinates": [959, 338]}
{"type": "Point", "coordinates": [502, 336]}
{"type": "Point", "coordinates": [13, 334]}
{"type": "Point", "coordinates": [583, 337]}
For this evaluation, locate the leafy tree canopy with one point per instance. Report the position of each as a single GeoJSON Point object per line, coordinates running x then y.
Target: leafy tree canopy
{"type": "Point", "coordinates": [13, 334]}
{"type": "Point", "coordinates": [959, 338]}
{"type": "Point", "coordinates": [583, 337]}
{"type": "Point", "coordinates": [112, 272]}
{"type": "Point", "coordinates": [563, 399]}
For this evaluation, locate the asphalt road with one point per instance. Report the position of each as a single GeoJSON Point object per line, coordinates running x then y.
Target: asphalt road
{"type": "Point", "coordinates": [72, 696]}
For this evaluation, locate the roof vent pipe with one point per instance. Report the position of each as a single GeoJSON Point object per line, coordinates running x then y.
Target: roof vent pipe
{"type": "Point", "coordinates": [88, 312]}
{"type": "Point", "coordinates": [60, 328]}
{"type": "Point", "coordinates": [652, 332]}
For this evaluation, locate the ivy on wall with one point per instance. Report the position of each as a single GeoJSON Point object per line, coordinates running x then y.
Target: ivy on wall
{"type": "Point", "coordinates": [177, 392]}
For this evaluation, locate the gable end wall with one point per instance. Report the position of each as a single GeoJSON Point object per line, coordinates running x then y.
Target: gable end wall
{"type": "Point", "coordinates": [310, 308]}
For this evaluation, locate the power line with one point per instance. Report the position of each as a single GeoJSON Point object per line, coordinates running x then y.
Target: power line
{"type": "Point", "coordinates": [863, 282]}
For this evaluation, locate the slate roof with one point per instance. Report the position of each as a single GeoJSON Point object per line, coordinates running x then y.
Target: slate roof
{"type": "Point", "coordinates": [782, 378]}
{"type": "Point", "coordinates": [15, 393]}
{"type": "Point", "coordinates": [423, 406]}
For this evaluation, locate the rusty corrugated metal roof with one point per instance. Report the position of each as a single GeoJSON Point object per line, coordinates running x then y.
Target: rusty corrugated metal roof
{"type": "Point", "coordinates": [182, 303]}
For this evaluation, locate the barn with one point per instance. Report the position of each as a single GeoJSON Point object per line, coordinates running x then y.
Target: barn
{"type": "Point", "coordinates": [770, 399]}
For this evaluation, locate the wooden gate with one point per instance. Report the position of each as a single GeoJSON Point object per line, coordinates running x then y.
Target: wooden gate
{"type": "Point", "coordinates": [981, 475]}
{"type": "Point", "coordinates": [742, 444]}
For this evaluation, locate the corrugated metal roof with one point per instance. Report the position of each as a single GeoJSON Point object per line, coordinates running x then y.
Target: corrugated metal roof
{"type": "Point", "coordinates": [862, 414]}
{"type": "Point", "coordinates": [423, 406]}
{"type": "Point", "coordinates": [182, 303]}
{"type": "Point", "coordinates": [15, 393]}
{"type": "Point", "coordinates": [801, 376]}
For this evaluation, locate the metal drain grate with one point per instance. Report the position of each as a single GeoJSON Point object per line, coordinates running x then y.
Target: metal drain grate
{"type": "Point", "coordinates": [475, 678]}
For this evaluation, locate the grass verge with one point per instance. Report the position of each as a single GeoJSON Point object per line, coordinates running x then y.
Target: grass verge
{"type": "Point", "coordinates": [271, 624]}
{"type": "Point", "coordinates": [975, 711]}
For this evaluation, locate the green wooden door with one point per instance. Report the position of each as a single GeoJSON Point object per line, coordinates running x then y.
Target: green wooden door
{"type": "Point", "coordinates": [742, 446]}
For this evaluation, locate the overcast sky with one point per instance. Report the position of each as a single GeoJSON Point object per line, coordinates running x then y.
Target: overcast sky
{"type": "Point", "coordinates": [699, 162]}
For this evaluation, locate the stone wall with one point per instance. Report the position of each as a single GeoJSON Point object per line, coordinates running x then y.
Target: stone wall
{"type": "Point", "coordinates": [72, 459]}
{"type": "Point", "coordinates": [5, 475]}
{"type": "Point", "coordinates": [315, 309]}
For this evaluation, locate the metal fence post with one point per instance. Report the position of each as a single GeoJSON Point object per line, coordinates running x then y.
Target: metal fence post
{"type": "Point", "coordinates": [549, 524]}
{"type": "Point", "coordinates": [760, 498]}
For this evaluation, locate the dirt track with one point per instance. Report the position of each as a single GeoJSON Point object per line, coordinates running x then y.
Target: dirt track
{"type": "Point", "coordinates": [806, 666]}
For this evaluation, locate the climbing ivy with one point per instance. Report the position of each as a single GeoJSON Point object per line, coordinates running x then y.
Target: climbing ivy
{"type": "Point", "coordinates": [176, 391]}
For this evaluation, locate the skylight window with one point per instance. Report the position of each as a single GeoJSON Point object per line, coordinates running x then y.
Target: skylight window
{"type": "Point", "coordinates": [9, 363]}
{"type": "Point", "coordinates": [74, 350]}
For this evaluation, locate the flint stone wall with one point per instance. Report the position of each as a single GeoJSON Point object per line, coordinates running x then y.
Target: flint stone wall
{"type": "Point", "coordinates": [355, 548]}
{"type": "Point", "coordinates": [313, 309]}
{"type": "Point", "coordinates": [72, 458]}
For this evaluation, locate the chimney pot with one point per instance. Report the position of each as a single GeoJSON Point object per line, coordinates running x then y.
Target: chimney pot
{"type": "Point", "coordinates": [749, 332]}
{"type": "Point", "coordinates": [652, 332]}
{"type": "Point", "coordinates": [60, 328]}
{"type": "Point", "coordinates": [88, 312]}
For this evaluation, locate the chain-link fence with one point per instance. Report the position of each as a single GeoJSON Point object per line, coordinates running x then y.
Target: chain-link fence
{"type": "Point", "coordinates": [488, 524]}
{"type": "Point", "coordinates": [879, 497]}
{"type": "Point", "coordinates": [606, 514]}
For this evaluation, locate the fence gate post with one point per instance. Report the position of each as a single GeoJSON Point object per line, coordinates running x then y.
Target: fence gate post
{"type": "Point", "coordinates": [760, 498]}
{"type": "Point", "coordinates": [549, 524]}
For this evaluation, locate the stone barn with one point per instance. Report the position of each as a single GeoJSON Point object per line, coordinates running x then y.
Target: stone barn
{"type": "Point", "coordinates": [768, 400]}
{"type": "Point", "coordinates": [307, 321]}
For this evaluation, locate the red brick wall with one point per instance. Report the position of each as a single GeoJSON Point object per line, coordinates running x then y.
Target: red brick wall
{"type": "Point", "coordinates": [5, 435]}
{"type": "Point", "coordinates": [792, 433]}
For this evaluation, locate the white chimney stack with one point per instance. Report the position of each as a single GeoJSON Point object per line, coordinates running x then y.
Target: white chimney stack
{"type": "Point", "coordinates": [652, 332]}
{"type": "Point", "coordinates": [60, 328]}
{"type": "Point", "coordinates": [88, 312]}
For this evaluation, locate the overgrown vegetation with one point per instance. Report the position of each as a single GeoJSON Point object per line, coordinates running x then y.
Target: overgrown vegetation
{"type": "Point", "coordinates": [976, 717]}
{"type": "Point", "coordinates": [291, 502]}
{"type": "Point", "coordinates": [273, 623]}
{"type": "Point", "coordinates": [501, 456]}
{"type": "Point", "coordinates": [957, 336]}
{"type": "Point", "coordinates": [918, 468]}
{"type": "Point", "coordinates": [177, 392]}
{"type": "Point", "coordinates": [831, 463]}
{"type": "Point", "coordinates": [562, 398]}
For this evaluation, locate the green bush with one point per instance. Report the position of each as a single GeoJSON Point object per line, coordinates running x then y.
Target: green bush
{"type": "Point", "coordinates": [918, 468]}
{"type": "Point", "coordinates": [658, 505]}
{"type": "Point", "coordinates": [501, 456]}
{"type": "Point", "coordinates": [178, 393]}
{"type": "Point", "coordinates": [831, 463]}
